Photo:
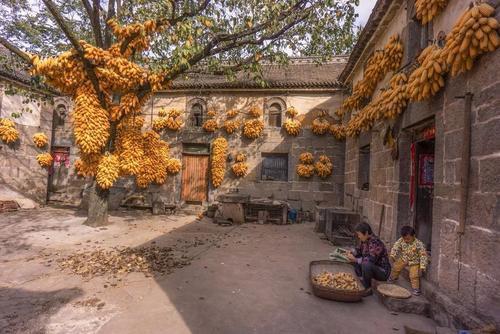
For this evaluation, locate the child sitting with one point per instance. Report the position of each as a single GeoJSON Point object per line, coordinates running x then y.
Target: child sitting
{"type": "Point", "coordinates": [409, 251]}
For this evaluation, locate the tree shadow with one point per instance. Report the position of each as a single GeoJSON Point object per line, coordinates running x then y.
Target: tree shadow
{"type": "Point", "coordinates": [25, 311]}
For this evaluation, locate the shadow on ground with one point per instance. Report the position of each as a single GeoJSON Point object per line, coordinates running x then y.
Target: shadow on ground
{"type": "Point", "coordinates": [27, 311]}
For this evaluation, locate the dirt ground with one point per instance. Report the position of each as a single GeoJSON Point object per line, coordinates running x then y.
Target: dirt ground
{"type": "Point", "coordinates": [244, 279]}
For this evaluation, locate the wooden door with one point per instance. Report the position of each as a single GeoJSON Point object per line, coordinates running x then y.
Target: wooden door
{"type": "Point", "coordinates": [194, 177]}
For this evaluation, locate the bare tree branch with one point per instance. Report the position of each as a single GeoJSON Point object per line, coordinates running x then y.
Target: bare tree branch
{"type": "Point", "coordinates": [89, 68]}
{"type": "Point", "coordinates": [107, 33]}
{"type": "Point", "coordinates": [93, 14]}
{"type": "Point", "coordinates": [14, 49]}
{"type": "Point", "coordinates": [172, 21]}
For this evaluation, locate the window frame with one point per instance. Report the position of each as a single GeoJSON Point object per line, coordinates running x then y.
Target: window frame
{"type": "Point", "coordinates": [265, 177]}
{"type": "Point", "coordinates": [364, 151]}
{"type": "Point", "coordinates": [269, 103]}
{"type": "Point", "coordinates": [189, 107]}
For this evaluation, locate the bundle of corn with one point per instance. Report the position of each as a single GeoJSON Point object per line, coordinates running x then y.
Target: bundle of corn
{"type": "Point", "coordinates": [240, 157]}
{"type": "Point", "coordinates": [8, 132]}
{"type": "Point", "coordinates": [323, 167]}
{"type": "Point", "coordinates": [211, 113]}
{"type": "Point", "coordinates": [475, 33]}
{"type": "Point", "coordinates": [153, 166]}
{"type": "Point", "coordinates": [320, 124]}
{"type": "Point", "coordinates": [393, 55]}
{"type": "Point", "coordinates": [358, 123]}
{"type": "Point", "coordinates": [129, 145]}
{"type": "Point", "coordinates": [292, 112]}
{"type": "Point", "coordinates": [338, 131]}
{"type": "Point", "coordinates": [379, 64]}
{"type": "Point", "coordinates": [40, 139]}
{"type": "Point", "coordinates": [306, 166]}
{"type": "Point", "coordinates": [427, 10]}
{"type": "Point", "coordinates": [252, 128]}
{"type": "Point", "coordinates": [173, 166]}
{"type": "Point", "coordinates": [230, 126]}
{"type": "Point", "coordinates": [87, 164]}
{"type": "Point", "coordinates": [90, 121]}
{"type": "Point", "coordinates": [162, 113]}
{"type": "Point", "coordinates": [397, 96]}
{"type": "Point", "coordinates": [232, 113]}
{"type": "Point", "coordinates": [255, 111]}
{"type": "Point", "coordinates": [170, 120]}
{"type": "Point", "coordinates": [218, 161]}
{"type": "Point", "coordinates": [210, 125]}
{"type": "Point", "coordinates": [44, 160]}
{"type": "Point", "coordinates": [306, 158]}
{"type": "Point", "coordinates": [240, 168]}
{"type": "Point", "coordinates": [292, 126]}
{"type": "Point", "coordinates": [108, 171]}
{"type": "Point", "coordinates": [428, 78]}
{"type": "Point", "coordinates": [374, 72]}
{"type": "Point", "coordinates": [304, 170]}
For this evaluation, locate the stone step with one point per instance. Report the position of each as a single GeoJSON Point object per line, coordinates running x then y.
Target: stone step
{"type": "Point", "coordinates": [415, 304]}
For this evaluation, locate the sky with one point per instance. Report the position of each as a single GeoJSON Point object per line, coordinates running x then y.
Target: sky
{"type": "Point", "coordinates": [364, 9]}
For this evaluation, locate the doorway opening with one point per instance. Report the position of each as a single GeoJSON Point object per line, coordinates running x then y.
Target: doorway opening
{"type": "Point", "coordinates": [423, 162]}
{"type": "Point", "coordinates": [194, 179]}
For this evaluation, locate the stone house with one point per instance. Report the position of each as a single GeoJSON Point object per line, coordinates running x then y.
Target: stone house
{"type": "Point", "coordinates": [271, 158]}
{"type": "Point", "coordinates": [419, 181]}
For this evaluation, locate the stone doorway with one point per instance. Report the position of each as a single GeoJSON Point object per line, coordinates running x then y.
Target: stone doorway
{"type": "Point", "coordinates": [194, 180]}
{"type": "Point", "coordinates": [423, 188]}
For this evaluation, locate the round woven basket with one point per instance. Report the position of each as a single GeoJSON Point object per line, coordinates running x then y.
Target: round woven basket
{"type": "Point", "coordinates": [316, 267]}
{"type": "Point", "coordinates": [394, 291]}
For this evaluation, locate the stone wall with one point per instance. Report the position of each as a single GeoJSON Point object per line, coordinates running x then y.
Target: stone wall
{"type": "Point", "coordinates": [463, 280]}
{"type": "Point", "coordinates": [21, 178]}
{"type": "Point", "coordinates": [300, 193]}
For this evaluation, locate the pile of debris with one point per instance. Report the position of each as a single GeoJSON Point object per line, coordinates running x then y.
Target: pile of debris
{"type": "Point", "coordinates": [100, 262]}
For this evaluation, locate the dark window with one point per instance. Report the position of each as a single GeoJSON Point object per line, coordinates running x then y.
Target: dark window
{"type": "Point", "coordinates": [364, 168]}
{"type": "Point", "coordinates": [274, 167]}
{"type": "Point", "coordinates": [197, 114]}
{"type": "Point", "coordinates": [275, 115]}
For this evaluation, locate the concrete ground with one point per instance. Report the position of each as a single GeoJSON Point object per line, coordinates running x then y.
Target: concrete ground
{"type": "Point", "coordinates": [245, 279]}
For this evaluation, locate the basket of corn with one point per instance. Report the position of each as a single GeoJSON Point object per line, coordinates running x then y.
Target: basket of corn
{"type": "Point", "coordinates": [335, 280]}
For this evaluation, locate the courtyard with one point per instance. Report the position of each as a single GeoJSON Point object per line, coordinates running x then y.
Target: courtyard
{"type": "Point", "coordinates": [248, 278]}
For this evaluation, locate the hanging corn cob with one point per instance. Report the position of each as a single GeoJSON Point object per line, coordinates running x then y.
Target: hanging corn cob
{"type": "Point", "coordinates": [255, 111]}
{"type": "Point", "coordinates": [292, 125]}
{"type": "Point", "coordinates": [320, 124]}
{"type": "Point", "coordinates": [230, 126]}
{"type": "Point", "coordinates": [253, 128]}
{"type": "Point", "coordinates": [323, 167]}
{"type": "Point", "coordinates": [218, 161]}
{"type": "Point", "coordinates": [210, 125]}
{"type": "Point", "coordinates": [40, 139]}
{"type": "Point", "coordinates": [240, 168]}
{"type": "Point", "coordinates": [108, 171]}
{"type": "Point", "coordinates": [475, 33]}
{"type": "Point", "coordinates": [44, 160]}
{"type": "Point", "coordinates": [428, 78]}
{"type": "Point", "coordinates": [8, 132]}
{"type": "Point", "coordinates": [173, 166]}
{"type": "Point", "coordinates": [427, 10]}
{"type": "Point", "coordinates": [338, 131]}
{"type": "Point", "coordinates": [305, 168]}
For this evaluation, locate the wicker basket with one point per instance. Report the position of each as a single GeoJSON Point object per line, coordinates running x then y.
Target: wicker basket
{"type": "Point", "coordinates": [317, 267]}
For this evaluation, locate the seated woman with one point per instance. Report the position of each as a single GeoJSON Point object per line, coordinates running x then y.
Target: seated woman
{"type": "Point", "coordinates": [370, 257]}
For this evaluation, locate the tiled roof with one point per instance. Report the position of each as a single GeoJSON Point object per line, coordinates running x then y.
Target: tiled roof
{"type": "Point", "coordinates": [300, 73]}
{"type": "Point", "coordinates": [378, 13]}
{"type": "Point", "coordinates": [10, 69]}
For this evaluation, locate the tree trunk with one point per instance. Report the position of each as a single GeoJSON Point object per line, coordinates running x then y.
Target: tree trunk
{"type": "Point", "coordinates": [97, 214]}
